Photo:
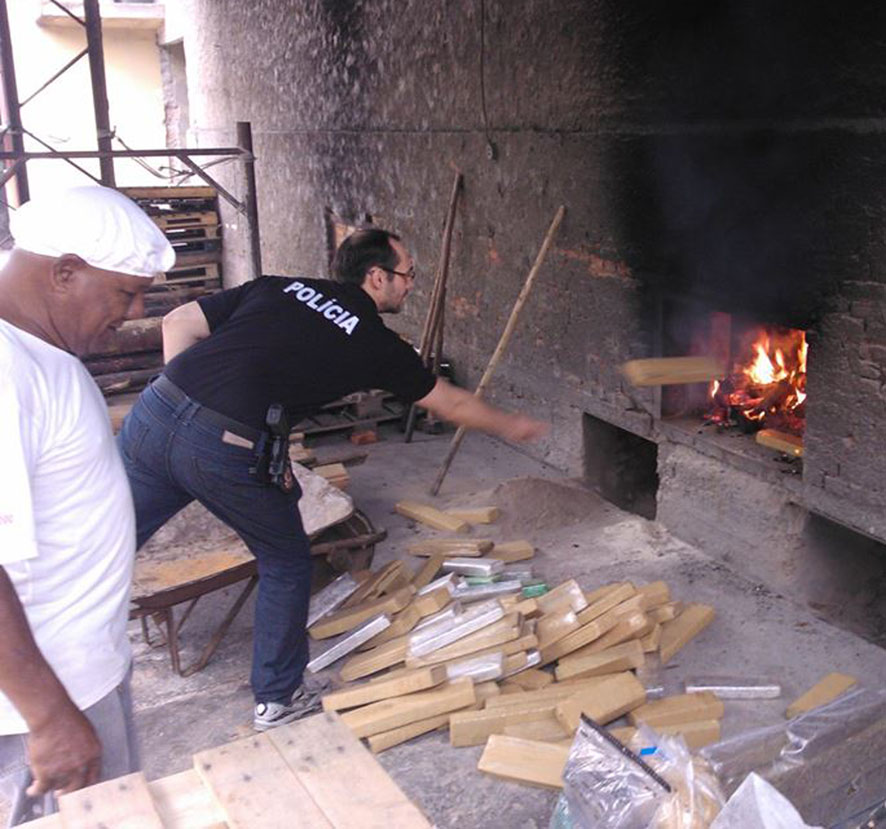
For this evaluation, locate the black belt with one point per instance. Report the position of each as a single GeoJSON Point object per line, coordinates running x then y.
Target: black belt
{"type": "Point", "coordinates": [204, 415]}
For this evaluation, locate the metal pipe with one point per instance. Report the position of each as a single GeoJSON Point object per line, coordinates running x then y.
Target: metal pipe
{"type": "Point", "coordinates": [58, 74]}
{"type": "Point", "coordinates": [13, 114]}
{"type": "Point", "coordinates": [93, 18]}
{"type": "Point", "coordinates": [244, 140]}
{"type": "Point", "coordinates": [6, 154]}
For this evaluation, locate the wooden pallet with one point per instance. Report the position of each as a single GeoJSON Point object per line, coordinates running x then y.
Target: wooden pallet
{"type": "Point", "coordinates": [312, 773]}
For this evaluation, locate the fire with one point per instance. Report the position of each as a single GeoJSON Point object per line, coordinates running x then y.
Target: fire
{"type": "Point", "coordinates": [767, 387]}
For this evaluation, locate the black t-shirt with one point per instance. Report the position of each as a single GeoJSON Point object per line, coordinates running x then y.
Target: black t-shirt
{"type": "Point", "coordinates": [299, 342]}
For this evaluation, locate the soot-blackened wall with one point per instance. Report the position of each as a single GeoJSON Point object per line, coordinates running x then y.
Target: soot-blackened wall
{"type": "Point", "coordinates": [734, 151]}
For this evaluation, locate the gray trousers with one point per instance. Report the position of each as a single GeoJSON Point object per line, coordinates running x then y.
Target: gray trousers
{"type": "Point", "coordinates": [111, 717]}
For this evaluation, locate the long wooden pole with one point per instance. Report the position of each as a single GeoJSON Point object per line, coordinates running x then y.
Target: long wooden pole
{"type": "Point", "coordinates": [502, 342]}
{"type": "Point", "coordinates": [434, 319]}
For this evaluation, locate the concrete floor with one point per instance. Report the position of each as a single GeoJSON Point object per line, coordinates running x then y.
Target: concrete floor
{"type": "Point", "coordinates": [756, 632]}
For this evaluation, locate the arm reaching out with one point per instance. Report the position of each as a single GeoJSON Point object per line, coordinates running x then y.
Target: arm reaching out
{"type": "Point", "coordinates": [63, 750]}
{"type": "Point", "coordinates": [465, 409]}
{"type": "Point", "coordinates": [183, 327]}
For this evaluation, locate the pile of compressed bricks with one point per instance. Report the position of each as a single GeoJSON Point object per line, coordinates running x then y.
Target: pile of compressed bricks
{"type": "Point", "coordinates": [504, 661]}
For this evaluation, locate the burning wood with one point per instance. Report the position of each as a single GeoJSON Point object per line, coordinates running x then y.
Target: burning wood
{"type": "Point", "coordinates": [767, 387]}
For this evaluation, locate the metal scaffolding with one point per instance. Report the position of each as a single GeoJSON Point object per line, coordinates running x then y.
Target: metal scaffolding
{"type": "Point", "coordinates": [14, 157]}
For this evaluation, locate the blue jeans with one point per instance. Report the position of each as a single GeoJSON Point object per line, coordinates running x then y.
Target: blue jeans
{"type": "Point", "coordinates": [172, 456]}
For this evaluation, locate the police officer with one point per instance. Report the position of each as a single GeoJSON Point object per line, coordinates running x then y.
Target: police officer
{"type": "Point", "coordinates": [198, 431]}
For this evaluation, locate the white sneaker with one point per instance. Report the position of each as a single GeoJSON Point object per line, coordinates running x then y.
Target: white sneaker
{"type": "Point", "coordinates": [271, 714]}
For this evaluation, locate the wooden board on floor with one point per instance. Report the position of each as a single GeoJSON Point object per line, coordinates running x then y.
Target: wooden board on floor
{"type": "Point", "coordinates": [309, 773]}
{"type": "Point", "coordinates": [254, 786]}
{"type": "Point", "coordinates": [343, 778]}
{"type": "Point", "coordinates": [524, 761]}
{"type": "Point", "coordinates": [124, 802]}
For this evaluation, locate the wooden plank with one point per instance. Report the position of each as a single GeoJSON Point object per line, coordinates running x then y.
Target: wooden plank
{"type": "Point", "coordinates": [551, 693]}
{"type": "Point", "coordinates": [169, 193]}
{"type": "Point", "coordinates": [373, 586]}
{"type": "Point", "coordinates": [344, 620]}
{"type": "Point", "coordinates": [782, 441]}
{"type": "Point", "coordinates": [124, 802]}
{"type": "Point", "coordinates": [392, 713]}
{"type": "Point", "coordinates": [546, 730]}
{"type": "Point", "coordinates": [531, 680]}
{"type": "Point", "coordinates": [370, 662]}
{"type": "Point", "coordinates": [555, 625]}
{"type": "Point", "coordinates": [828, 688]}
{"type": "Point", "coordinates": [629, 627]}
{"type": "Point", "coordinates": [476, 515]}
{"type": "Point", "coordinates": [369, 692]}
{"type": "Point", "coordinates": [679, 708]}
{"type": "Point", "coordinates": [598, 604]}
{"type": "Point", "coordinates": [524, 761]}
{"type": "Point", "coordinates": [342, 777]}
{"type": "Point", "coordinates": [183, 802]}
{"type": "Point", "coordinates": [404, 622]}
{"type": "Point", "coordinates": [652, 640]}
{"type": "Point", "coordinates": [697, 734]}
{"type": "Point", "coordinates": [662, 371]}
{"type": "Point", "coordinates": [254, 786]}
{"type": "Point", "coordinates": [451, 546]}
{"type": "Point", "coordinates": [624, 657]}
{"type": "Point", "coordinates": [509, 551]}
{"type": "Point", "coordinates": [428, 571]}
{"type": "Point", "coordinates": [471, 728]}
{"type": "Point", "coordinates": [432, 602]}
{"type": "Point", "coordinates": [504, 630]}
{"type": "Point", "coordinates": [608, 700]}
{"type": "Point", "coordinates": [430, 516]}
{"type": "Point", "coordinates": [599, 592]}
{"type": "Point", "coordinates": [666, 612]}
{"type": "Point", "coordinates": [587, 638]}
{"type": "Point", "coordinates": [676, 634]}
{"type": "Point", "coordinates": [568, 594]}
{"type": "Point", "coordinates": [388, 739]}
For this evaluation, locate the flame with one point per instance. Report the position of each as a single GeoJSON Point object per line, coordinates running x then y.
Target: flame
{"type": "Point", "coordinates": [767, 385]}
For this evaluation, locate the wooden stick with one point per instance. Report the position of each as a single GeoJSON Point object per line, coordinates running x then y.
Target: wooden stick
{"type": "Point", "coordinates": [434, 319]}
{"type": "Point", "coordinates": [503, 342]}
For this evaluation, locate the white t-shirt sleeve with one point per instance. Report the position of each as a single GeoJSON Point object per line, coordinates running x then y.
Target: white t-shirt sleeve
{"type": "Point", "coordinates": [17, 535]}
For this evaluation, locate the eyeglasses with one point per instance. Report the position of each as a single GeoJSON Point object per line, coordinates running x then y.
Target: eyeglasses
{"type": "Point", "coordinates": [409, 275]}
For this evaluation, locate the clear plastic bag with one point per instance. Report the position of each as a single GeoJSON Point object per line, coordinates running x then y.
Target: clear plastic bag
{"type": "Point", "coordinates": [757, 804]}
{"type": "Point", "coordinates": [796, 741]}
{"type": "Point", "coordinates": [609, 786]}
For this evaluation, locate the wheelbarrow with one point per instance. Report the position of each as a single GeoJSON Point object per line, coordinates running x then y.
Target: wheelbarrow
{"type": "Point", "coordinates": [195, 555]}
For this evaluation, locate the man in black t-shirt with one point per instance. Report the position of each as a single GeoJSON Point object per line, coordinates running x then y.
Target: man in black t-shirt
{"type": "Point", "coordinates": [198, 432]}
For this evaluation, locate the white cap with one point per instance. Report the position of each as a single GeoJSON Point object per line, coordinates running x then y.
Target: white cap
{"type": "Point", "coordinates": [101, 226]}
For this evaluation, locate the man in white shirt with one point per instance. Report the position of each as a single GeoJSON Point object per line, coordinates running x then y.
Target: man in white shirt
{"type": "Point", "coordinates": [82, 262]}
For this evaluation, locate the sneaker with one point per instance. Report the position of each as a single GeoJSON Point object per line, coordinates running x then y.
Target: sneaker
{"type": "Point", "coordinates": [304, 701]}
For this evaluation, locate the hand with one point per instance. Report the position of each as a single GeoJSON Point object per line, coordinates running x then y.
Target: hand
{"type": "Point", "coordinates": [64, 754]}
{"type": "Point", "coordinates": [522, 429]}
